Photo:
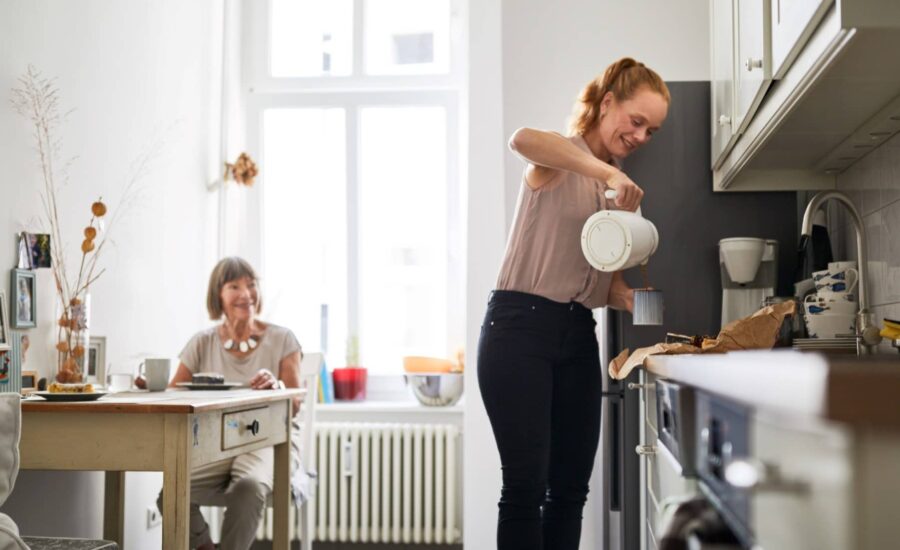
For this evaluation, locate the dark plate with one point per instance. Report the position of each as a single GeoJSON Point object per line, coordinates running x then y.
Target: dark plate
{"type": "Point", "coordinates": [198, 386]}
{"type": "Point", "coordinates": [70, 396]}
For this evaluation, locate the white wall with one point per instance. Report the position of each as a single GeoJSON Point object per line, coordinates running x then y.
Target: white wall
{"type": "Point", "coordinates": [133, 71]}
{"type": "Point", "coordinates": [549, 51]}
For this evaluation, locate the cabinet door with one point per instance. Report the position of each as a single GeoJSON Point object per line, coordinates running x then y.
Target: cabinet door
{"type": "Point", "coordinates": [753, 73]}
{"type": "Point", "coordinates": [793, 21]}
{"type": "Point", "coordinates": [722, 88]}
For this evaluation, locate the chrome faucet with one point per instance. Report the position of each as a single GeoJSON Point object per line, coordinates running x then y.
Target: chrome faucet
{"type": "Point", "coordinates": [867, 337]}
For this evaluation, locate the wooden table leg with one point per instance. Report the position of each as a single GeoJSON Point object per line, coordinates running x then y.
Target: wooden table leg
{"type": "Point", "coordinates": [281, 496]}
{"type": "Point", "coordinates": [114, 508]}
{"type": "Point", "coordinates": [176, 483]}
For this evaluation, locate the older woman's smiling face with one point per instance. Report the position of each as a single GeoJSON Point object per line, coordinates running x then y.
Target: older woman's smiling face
{"type": "Point", "coordinates": [239, 299]}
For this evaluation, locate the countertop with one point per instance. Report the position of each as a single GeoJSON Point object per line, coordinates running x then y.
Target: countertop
{"type": "Point", "coordinates": [859, 391]}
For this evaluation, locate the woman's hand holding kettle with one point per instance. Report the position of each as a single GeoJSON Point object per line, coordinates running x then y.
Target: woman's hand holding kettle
{"type": "Point", "coordinates": [627, 194]}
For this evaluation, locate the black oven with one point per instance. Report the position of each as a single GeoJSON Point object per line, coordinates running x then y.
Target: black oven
{"type": "Point", "coordinates": [723, 432]}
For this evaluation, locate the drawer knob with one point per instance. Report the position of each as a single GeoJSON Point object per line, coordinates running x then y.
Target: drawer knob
{"type": "Point", "coordinates": [253, 427]}
{"type": "Point", "coordinates": [751, 63]}
{"type": "Point", "coordinates": [724, 120]}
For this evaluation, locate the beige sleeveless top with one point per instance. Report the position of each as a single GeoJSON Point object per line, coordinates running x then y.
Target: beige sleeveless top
{"type": "Point", "coordinates": [205, 352]}
{"type": "Point", "coordinates": [543, 254]}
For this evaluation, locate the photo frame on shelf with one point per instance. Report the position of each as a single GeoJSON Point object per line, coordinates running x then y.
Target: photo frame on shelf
{"type": "Point", "coordinates": [29, 381]}
{"type": "Point", "coordinates": [96, 360]}
{"type": "Point", "coordinates": [39, 246]}
{"type": "Point", "coordinates": [23, 260]}
{"type": "Point", "coordinates": [23, 298]}
{"type": "Point", "coordinates": [4, 323]}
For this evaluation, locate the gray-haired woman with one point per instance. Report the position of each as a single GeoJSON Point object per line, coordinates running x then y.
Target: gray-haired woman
{"type": "Point", "coordinates": [262, 355]}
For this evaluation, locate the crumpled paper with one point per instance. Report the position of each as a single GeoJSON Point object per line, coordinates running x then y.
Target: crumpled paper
{"type": "Point", "coordinates": [758, 331]}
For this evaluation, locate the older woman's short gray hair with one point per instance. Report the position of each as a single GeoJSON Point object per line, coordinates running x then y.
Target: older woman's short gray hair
{"type": "Point", "coordinates": [227, 270]}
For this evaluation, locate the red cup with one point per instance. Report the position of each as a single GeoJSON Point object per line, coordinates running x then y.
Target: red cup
{"type": "Point", "coordinates": [349, 383]}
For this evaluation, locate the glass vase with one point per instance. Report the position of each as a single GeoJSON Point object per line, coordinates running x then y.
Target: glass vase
{"type": "Point", "coordinates": [73, 339]}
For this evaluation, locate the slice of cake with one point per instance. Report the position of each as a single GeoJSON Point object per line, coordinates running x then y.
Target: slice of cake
{"type": "Point", "coordinates": [57, 387]}
{"type": "Point", "coordinates": [208, 378]}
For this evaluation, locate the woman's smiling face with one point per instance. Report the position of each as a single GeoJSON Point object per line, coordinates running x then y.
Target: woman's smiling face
{"type": "Point", "coordinates": [239, 299]}
{"type": "Point", "coordinates": [627, 125]}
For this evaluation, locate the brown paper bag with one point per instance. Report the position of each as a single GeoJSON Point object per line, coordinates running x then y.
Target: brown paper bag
{"type": "Point", "coordinates": [758, 331]}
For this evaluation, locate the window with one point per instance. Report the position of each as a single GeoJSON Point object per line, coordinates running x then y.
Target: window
{"type": "Point", "coordinates": [353, 114]}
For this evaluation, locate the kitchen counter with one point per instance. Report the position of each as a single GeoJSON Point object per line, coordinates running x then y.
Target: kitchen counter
{"type": "Point", "coordinates": [860, 391]}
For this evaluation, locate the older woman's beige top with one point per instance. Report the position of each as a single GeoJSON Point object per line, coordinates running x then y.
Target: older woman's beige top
{"type": "Point", "coordinates": [543, 255]}
{"type": "Point", "coordinates": [206, 353]}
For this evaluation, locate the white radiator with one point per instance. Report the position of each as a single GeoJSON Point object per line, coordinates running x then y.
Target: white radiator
{"type": "Point", "coordinates": [388, 483]}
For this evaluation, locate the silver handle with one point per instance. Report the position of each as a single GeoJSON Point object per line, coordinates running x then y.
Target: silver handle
{"type": "Point", "coordinates": [753, 474]}
{"type": "Point", "coordinates": [751, 64]}
{"type": "Point", "coordinates": [724, 120]}
{"type": "Point", "coordinates": [645, 450]}
{"type": "Point", "coordinates": [636, 386]}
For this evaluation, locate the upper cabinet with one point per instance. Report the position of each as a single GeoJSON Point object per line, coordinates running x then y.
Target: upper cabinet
{"type": "Point", "coordinates": [801, 89]}
{"type": "Point", "coordinates": [722, 81]}
{"type": "Point", "coordinates": [753, 70]}
{"type": "Point", "coordinates": [792, 23]}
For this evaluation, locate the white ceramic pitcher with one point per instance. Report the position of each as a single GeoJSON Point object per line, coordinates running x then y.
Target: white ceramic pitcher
{"type": "Point", "coordinates": [615, 240]}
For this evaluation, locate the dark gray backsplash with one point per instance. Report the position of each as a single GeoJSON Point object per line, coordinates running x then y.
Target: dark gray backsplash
{"type": "Point", "coordinates": [674, 171]}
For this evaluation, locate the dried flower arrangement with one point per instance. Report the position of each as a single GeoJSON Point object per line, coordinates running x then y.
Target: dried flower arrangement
{"type": "Point", "coordinates": [37, 99]}
{"type": "Point", "coordinates": [243, 170]}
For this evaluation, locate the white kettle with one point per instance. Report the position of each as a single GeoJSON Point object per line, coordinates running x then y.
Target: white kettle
{"type": "Point", "coordinates": [615, 240]}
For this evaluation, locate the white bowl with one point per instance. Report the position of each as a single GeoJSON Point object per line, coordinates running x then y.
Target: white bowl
{"type": "Point", "coordinates": [817, 305]}
{"type": "Point", "coordinates": [830, 326]}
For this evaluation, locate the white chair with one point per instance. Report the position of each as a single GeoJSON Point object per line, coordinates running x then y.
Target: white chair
{"type": "Point", "coordinates": [10, 428]}
{"type": "Point", "coordinates": [309, 379]}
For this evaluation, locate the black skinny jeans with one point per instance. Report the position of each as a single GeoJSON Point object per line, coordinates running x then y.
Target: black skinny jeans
{"type": "Point", "coordinates": [540, 378]}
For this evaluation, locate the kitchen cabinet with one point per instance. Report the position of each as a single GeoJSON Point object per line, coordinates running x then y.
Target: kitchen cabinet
{"type": "Point", "coordinates": [722, 83]}
{"type": "Point", "coordinates": [795, 450]}
{"type": "Point", "coordinates": [792, 23]}
{"type": "Point", "coordinates": [801, 89]}
{"type": "Point", "coordinates": [753, 70]}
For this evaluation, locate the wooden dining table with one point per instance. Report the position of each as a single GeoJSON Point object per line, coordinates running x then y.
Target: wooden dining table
{"type": "Point", "coordinates": [173, 432]}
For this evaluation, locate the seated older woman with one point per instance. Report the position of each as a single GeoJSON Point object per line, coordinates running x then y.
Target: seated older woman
{"type": "Point", "coordinates": [261, 355]}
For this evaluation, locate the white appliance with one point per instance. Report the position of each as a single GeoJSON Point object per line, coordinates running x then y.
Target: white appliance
{"type": "Point", "coordinates": [615, 240]}
{"type": "Point", "coordinates": [749, 270]}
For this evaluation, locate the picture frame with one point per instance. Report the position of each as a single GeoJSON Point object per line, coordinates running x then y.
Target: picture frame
{"type": "Point", "coordinates": [29, 381]}
{"type": "Point", "coordinates": [39, 246]}
{"type": "Point", "coordinates": [23, 298]}
{"type": "Point", "coordinates": [24, 252]}
{"type": "Point", "coordinates": [95, 369]}
{"type": "Point", "coordinates": [4, 323]}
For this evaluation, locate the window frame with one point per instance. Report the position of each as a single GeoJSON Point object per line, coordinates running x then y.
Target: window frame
{"type": "Point", "coordinates": [354, 93]}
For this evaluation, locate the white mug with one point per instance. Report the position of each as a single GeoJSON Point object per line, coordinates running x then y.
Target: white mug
{"type": "Point", "coordinates": [156, 373]}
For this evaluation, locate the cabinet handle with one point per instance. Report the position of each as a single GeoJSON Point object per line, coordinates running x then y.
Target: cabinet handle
{"type": "Point", "coordinates": [645, 450]}
{"type": "Point", "coordinates": [636, 386]}
{"type": "Point", "coordinates": [724, 120]}
{"type": "Point", "coordinates": [253, 427]}
{"type": "Point", "coordinates": [752, 474]}
{"type": "Point", "coordinates": [753, 63]}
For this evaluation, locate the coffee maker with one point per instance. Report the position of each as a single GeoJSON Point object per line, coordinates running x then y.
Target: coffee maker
{"type": "Point", "coordinates": [749, 269]}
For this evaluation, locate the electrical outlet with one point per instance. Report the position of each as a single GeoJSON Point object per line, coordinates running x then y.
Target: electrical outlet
{"type": "Point", "coordinates": [154, 518]}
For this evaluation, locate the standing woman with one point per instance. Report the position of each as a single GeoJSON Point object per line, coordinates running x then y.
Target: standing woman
{"type": "Point", "coordinates": [538, 359]}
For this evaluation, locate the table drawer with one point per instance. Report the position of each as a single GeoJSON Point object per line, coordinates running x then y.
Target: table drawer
{"type": "Point", "coordinates": [246, 427]}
